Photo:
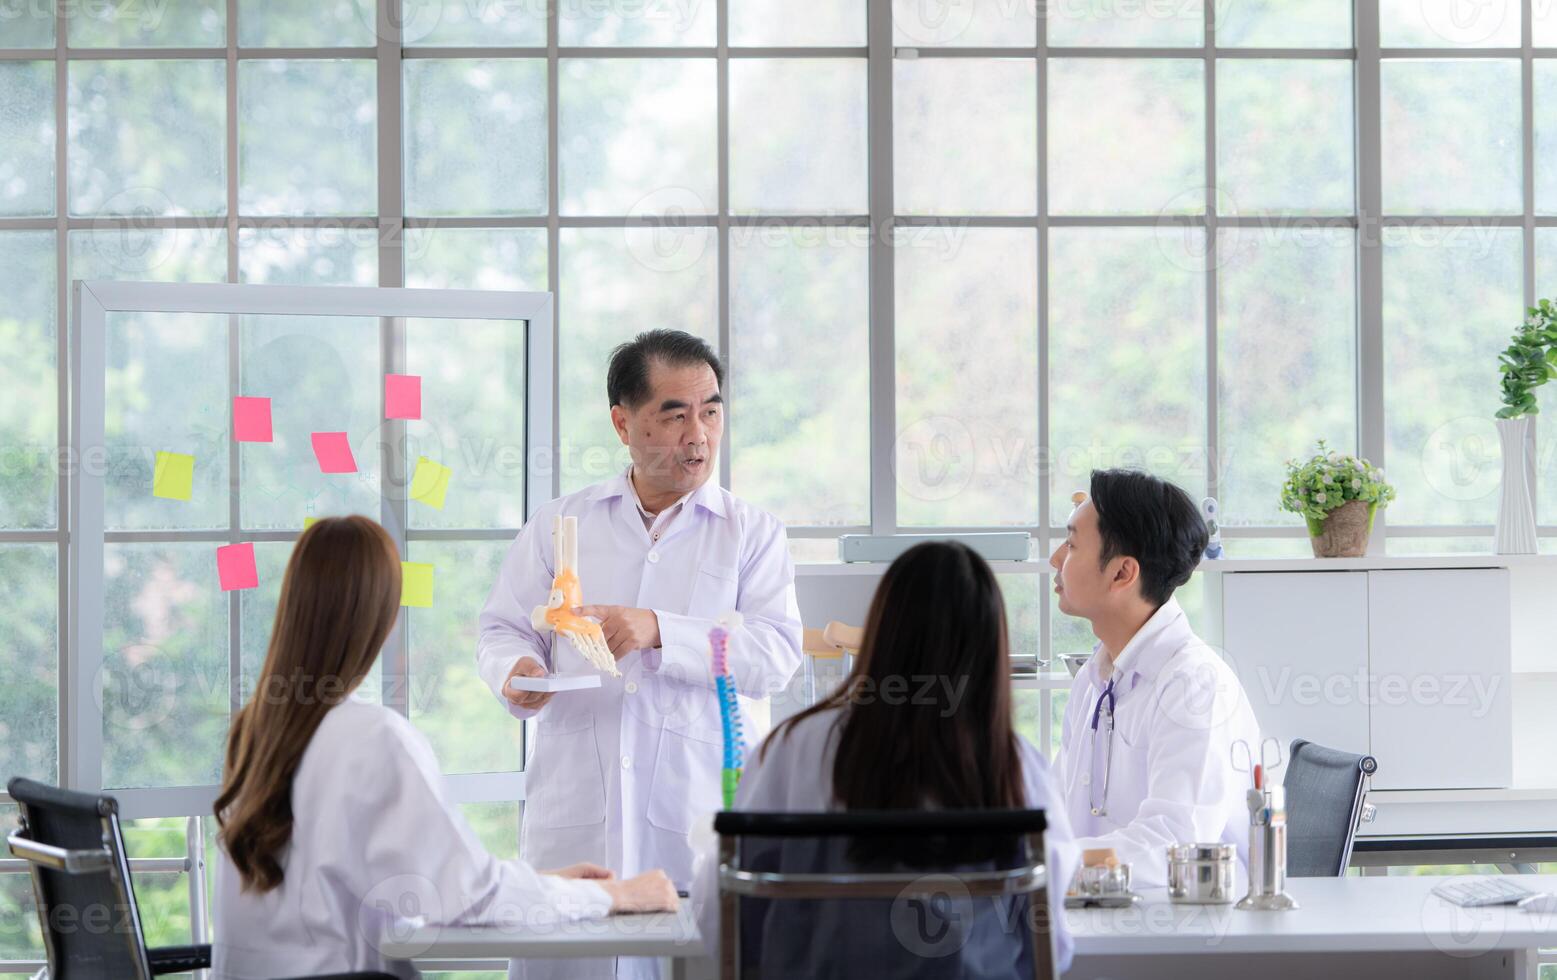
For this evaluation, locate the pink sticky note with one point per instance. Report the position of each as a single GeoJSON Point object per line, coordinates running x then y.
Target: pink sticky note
{"type": "Point", "coordinates": [333, 452]}
{"type": "Point", "coordinates": [402, 396]}
{"type": "Point", "coordinates": [235, 567]}
{"type": "Point", "coordinates": [251, 419]}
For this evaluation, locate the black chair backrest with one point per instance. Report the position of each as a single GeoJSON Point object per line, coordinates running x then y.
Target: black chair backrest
{"type": "Point", "coordinates": [870, 823]}
{"type": "Point", "coordinates": [1325, 789]}
{"type": "Point", "coordinates": [91, 927]}
{"type": "Point", "coordinates": [957, 931]}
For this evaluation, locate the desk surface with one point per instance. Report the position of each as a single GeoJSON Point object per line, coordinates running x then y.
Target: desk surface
{"type": "Point", "coordinates": [1393, 914]}
{"type": "Point", "coordinates": [665, 934]}
{"type": "Point", "coordinates": [1337, 915]}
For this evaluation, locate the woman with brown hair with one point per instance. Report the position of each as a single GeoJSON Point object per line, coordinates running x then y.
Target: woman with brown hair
{"type": "Point", "coordinates": [924, 722]}
{"type": "Point", "coordinates": [334, 825]}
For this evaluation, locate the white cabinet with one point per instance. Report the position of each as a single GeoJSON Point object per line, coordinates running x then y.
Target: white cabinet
{"type": "Point", "coordinates": [1299, 642]}
{"type": "Point", "coordinates": [1439, 652]}
{"type": "Point", "coordinates": [1412, 666]}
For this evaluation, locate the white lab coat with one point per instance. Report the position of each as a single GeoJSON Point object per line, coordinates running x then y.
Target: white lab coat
{"type": "Point", "coordinates": [374, 846]}
{"type": "Point", "coordinates": [617, 773]}
{"type": "Point", "coordinates": [1178, 709]}
{"type": "Point", "coordinates": [795, 775]}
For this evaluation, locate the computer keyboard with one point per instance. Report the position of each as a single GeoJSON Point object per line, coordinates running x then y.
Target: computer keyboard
{"type": "Point", "coordinates": [1476, 892]}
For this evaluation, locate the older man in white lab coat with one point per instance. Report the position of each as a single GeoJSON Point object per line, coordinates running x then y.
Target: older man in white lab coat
{"type": "Point", "coordinates": [1146, 747]}
{"type": "Point", "coordinates": [619, 773]}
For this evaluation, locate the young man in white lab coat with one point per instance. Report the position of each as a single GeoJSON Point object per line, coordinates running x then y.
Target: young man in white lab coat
{"type": "Point", "coordinates": [618, 774]}
{"type": "Point", "coordinates": [1145, 753]}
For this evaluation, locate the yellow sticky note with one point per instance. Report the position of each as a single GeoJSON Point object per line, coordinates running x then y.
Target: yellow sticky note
{"type": "Point", "coordinates": [416, 584]}
{"type": "Point", "coordinates": [173, 476]}
{"type": "Point", "coordinates": [309, 522]}
{"type": "Point", "coordinates": [430, 482]}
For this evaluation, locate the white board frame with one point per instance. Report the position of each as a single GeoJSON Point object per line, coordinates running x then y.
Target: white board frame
{"type": "Point", "coordinates": [81, 728]}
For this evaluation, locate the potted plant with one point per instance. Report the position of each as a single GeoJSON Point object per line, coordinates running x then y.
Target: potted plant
{"type": "Point", "coordinates": [1338, 495]}
{"type": "Point", "coordinates": [1528, 362]}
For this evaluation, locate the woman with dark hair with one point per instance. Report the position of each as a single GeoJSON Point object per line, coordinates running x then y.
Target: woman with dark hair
{"type": "Point", "coordinates": [332, 817]}
{"type": "Point", "coordinates": [924, 721]}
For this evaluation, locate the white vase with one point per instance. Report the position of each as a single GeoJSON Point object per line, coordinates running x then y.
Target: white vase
{"type": "Point", "coordinates": [1516, 499]}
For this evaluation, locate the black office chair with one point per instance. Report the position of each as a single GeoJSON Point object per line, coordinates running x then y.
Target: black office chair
{"type": "Point", "coordinates": [1327, 791]}
{"type": "Point", "coordinates": [783, 874]}
{"type": "Point", "coordinates": [86, 902]}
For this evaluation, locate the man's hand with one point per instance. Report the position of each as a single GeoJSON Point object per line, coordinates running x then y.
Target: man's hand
{"type": "Point", "coordinates": [625, 629]}
{"type": "Point", "coordinates": [583, 870]}
{"type": "Point", "coordinates": [651, 891]}
{"type": "Point", "coordinates": [533, 700]}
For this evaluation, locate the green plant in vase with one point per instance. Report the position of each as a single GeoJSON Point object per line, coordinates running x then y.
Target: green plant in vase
{"type": "Point", "coordinates": [1338, 495]}
{"type": "Point", "coordinates": [1527, 363]}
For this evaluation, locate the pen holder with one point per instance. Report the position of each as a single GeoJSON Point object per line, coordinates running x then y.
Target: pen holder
{"type": "Point", "coordinates": [1267, 852]}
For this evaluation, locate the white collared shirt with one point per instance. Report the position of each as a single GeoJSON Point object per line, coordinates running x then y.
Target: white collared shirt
{"type": "Point", "coordinates": [619, 774]}
{"type": "Point", "coordinates": [600, 784]}
{"type": "Point", "coordinates": [373, 836]}
{"type": "Point", "coordinates": [1178, 708]}
{"type": "Point", "coordinates": [655, 524]}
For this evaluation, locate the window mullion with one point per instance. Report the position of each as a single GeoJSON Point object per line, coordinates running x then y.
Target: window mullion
{"type": "Point", "coordinates": [69, 689]}
{"type": "Point", "coordinates": [234, 367]}
{"type": "Point", "coordinates": [395, 658]}
{"type": "Point", "coordinates": [722, 24]}
{"type": "Point", "coordinates": [553, 240]}
{"type": "Point", "coordinates": [1370, 252]}
{"type": "Point", "coordinates": [883, 388]}
{"type": "Point", "coordinates": [1213, 420]}
{"type": "Point", "coordinates": [1045, 456]}
{"type": "Point", "coordinates": [1527, 85]}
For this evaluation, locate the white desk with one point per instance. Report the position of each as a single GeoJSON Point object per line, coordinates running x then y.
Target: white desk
{"type": "Point", "coordinates": [670, 937]}
{"type": "Point", "coordinates": [1346, 927]}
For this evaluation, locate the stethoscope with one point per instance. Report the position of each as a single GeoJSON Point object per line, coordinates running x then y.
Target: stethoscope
{"type": "Point", "coordinates": [1100, 808]}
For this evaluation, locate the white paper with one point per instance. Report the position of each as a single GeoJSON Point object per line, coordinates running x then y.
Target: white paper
{"type": "Point", "coordinates": [554, 682]}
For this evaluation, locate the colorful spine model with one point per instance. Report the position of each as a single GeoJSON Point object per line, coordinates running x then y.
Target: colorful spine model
{"type": "Point", "coordinates": [729, 708]}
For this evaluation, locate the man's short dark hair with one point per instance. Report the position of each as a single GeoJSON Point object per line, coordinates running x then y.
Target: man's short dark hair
{"type": "Point", "coordinates": [627, 379]}
{"type": "Point", "coordinates": [1152, 521]}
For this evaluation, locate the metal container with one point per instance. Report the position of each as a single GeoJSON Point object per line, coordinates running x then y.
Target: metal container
{"type": "Point", "coordinates": [1202, 874]}
{"type": "Point", "coordinates": [1101, 887]}
{"type": "Point", "coordinates": [1101, 881]}
{"type": "Point", "coordinates": [1075, 661]}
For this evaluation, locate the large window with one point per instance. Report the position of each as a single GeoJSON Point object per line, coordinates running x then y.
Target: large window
{"type": "Point", "coordinates": [958, 252]}
{"type": "Point", "coordinates": [1147, 238]}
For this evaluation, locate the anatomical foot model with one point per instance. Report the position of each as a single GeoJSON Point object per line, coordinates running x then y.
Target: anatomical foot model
{"type": "Point", "coordinates": [566, 595]}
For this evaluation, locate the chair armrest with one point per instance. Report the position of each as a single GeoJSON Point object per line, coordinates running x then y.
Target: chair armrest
{"type": "Point", "coordinates": [58, 858]}
{"type": "Point", "coordinates": [178, 959]}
